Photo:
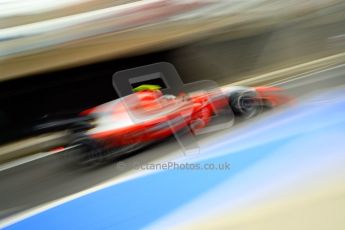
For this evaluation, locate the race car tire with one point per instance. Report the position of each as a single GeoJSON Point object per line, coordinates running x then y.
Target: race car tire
{"type": "Point", "coordinates": [90, 152]}
{"type": "Point", "coordinates": [114, 154]}
{"type": "Point", "coordinates": [245, 104]}
{"type": "Point", "coordinates": [87, 151]}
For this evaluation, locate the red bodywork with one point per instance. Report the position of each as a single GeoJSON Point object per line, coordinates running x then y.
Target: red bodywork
{"type": "Point", "coordinates": [148, 116]}
{"type": "Point", "coordinates": [272, 96]}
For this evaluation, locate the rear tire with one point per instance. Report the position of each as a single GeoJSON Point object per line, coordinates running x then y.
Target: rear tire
{"type": "Point", "coordinates": [87, 151]}
{"type": "Point", "coordinates": [90, 152]}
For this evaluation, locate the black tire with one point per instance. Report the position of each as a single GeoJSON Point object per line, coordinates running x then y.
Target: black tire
{"type": "Point", "coordinates": [87, 151]}
{"type": "Point", "coordinates": [245, 104]}
{"type": "Point", "coordinates": [113, 154]}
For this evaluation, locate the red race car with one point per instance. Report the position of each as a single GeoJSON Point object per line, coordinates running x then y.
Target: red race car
{"type": "Point", "coordinates": [125, 125]}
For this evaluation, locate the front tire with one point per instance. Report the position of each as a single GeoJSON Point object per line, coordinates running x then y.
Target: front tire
{"type": "Point", "coordinates": [245, 104]}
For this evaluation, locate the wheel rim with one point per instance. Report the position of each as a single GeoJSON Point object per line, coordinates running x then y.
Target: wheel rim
{"type": "Point", "coordinates": [247, 105]}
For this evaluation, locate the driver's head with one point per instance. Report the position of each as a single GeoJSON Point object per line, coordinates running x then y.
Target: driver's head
{"type": "Point", "coordinates": [148, 92]}
{"type": "Point", "coordinates": [148, 95]}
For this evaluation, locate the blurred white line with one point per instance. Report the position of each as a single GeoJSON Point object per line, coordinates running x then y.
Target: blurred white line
{"type": "Point", "coordinates": [23, 160]}
{"type": "Point", "coordinates": [30, 158]}
{"type": "Point", "coordinates": [308, 74]}
{"type": "Point", "coordinates": [341, 36]}
{"type": "Point", "coordinates": [308, 66]}
{"type": "Point", "coordinates": [62, 22]}
{"type": "Point", "coordinates": [28, 7]}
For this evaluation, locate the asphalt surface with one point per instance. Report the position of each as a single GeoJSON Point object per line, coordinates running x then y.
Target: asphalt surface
{"type": "Point", "coordinates": [56, 176]}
